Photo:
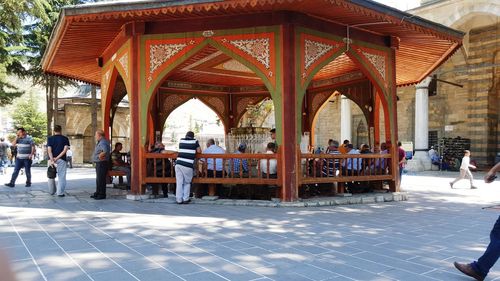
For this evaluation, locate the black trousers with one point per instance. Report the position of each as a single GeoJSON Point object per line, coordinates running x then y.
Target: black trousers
{"type": "Point", "coordinates": [101, 169]}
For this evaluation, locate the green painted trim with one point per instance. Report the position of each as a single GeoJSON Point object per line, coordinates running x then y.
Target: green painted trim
{"type": "Point", "coordinates": [125, 45]}
{"type": "Point", "coordinates": [308, 31]}
{"type": "Point", "coordinates": [373, 76]}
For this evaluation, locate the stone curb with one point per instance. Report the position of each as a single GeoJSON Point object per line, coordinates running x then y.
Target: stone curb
{"type": "Point", "coordinates": [371, 198]}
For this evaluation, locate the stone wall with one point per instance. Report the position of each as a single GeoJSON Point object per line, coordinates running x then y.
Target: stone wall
{"type": "Point", "coordinates": [78, 128]}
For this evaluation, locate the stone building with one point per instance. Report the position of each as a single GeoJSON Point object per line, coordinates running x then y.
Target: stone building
{"type": "Point", "coordinates": [76, 110]}
{"type": "Point", "coordinates": [466, 98]}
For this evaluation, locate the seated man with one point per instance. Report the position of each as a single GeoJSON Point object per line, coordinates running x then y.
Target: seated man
{"type": "Point", "coordinates": [161, 167]}
{"type": "Point", "coordinates": [272, 169]}
{"type": "Point", "coordinates": [117, 161]}
{"type": "Point", "coordinates": [217, 168]}
{"type": "Point", "coordinates": [352, 168]}
{"type": "Point", "coordinates": [353, 164]}
{"type": "Point", "coordinates": [237, 162]}
{"type": "Point", "coordinates": [330, 166]}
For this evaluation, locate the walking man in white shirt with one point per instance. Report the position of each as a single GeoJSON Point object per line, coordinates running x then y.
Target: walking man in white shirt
{"type": "Point", "coordinates": [464, 171]}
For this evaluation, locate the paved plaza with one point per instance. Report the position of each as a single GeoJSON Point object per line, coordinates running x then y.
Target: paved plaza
{"type": "Point", "coordinates": [77, 238]}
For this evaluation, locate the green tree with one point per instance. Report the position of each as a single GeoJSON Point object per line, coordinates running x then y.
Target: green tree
{"type": "Point", "coordinates": [36, 39]}
{"type": "Point", "coordinates": [27, 115]}
{"type": "Point", "coordinates": [13, 14]}
{"type": "Point", "coordinates": [196, 127]}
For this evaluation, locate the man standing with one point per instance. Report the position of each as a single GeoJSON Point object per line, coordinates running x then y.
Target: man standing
{"type": "Point", "coordinates": [3, 156]}
{"type": "Point", "coordinates": [188, 147]}
{"type": "Point", "coordinates": [101, 159]}
{"type": "Point", "coordinates": [402, 160]}
{"type": "Point", "coordinates": [69, 157]}
{"type": "Point", "coordinates": [57, 146]}
{"type": "Point", "coordinates": [25, 151]}
{"type": "Point", "coordinates": [479, 269]}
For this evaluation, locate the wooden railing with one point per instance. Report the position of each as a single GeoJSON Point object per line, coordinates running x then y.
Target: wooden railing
{"type": "Point", "coordinates": [313, 168]}
{"type": "Point", "coordinates": [330, 168]}
{"type": "Point", "coordinates": [160, 168]}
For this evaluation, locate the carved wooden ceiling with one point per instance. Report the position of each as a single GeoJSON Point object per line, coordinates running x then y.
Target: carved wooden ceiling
{"type": "Point", "coordinates": [210, 66]}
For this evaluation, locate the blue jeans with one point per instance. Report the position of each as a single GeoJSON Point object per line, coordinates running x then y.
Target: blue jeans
{"type": "Point", "coordinates": [22, 163]}
{"type": "Point", "coordinates": [4, 163]}
{"type": "Point", "coordinates": [490, 256]}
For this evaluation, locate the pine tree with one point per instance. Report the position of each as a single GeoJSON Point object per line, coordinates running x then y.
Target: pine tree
{"type": "Point", "coordinates": [13, 14]}
{"type": "Point", "coordinates": [27, 115]}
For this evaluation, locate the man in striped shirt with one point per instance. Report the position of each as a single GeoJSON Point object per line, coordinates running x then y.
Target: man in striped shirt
{"type": "Point", "coordinates": [25, 151]}
{"type": "Point", "coordinates": [184, 166]}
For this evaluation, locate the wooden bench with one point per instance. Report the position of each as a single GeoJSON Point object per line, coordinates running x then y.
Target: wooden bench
{"type": "Point", "coordinates": [115, 173]}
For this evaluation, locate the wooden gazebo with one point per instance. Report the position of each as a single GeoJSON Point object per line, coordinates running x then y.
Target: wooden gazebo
{"type": "Point", "coordinates": [233, 53]}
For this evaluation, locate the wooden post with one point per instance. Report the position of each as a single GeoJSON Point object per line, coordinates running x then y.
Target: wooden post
{"type": "Point", "coordinates": [394, 185]}
{"type": "Point", "coordinates": [50, 104]}
{"type": "Point", "coordinates": [289, 144]}
{"type": "Point", "coordinates": [136, 149]}
{"type": "Point", "coordinates": [93, 108]}
{"type": "Point", "coordinates": [376, 118]}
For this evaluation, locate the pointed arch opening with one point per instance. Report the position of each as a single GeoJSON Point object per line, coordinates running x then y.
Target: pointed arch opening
{"type": "Point", "coordinates": [116, 110]}
{"type": "Point", "coordinates": [196, 116]}
{"type": "Point", "coordinates": [341, 71]}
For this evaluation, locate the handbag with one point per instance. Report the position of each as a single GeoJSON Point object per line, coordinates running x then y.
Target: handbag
{"type": "Point", "coordinates": [51, 172]}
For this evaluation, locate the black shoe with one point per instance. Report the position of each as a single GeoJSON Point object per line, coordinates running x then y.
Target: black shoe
{"type": "Point", "coordinates": [10, 184]}
{"type": "Point", "coordinates": [165, 195]}
{"type": "Point", "coordinates": [100, 197]}
{"type": "Point", "coordinates": [28, 184]}
{"type": "Point", "coordinates": [180, 203]}
{"type": "Point", "coordinates": [62, 195]}
{"type": "Point", "coordinates": [187, 201]}
{"type": "Point", "coordinates": [468, 270]}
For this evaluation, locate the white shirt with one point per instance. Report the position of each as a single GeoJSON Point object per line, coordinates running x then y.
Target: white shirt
{"type": "Point", "coordinates": [273, 165]}
{"type": "Point", "coordinates": [69, 153]}
{"type": "Point", "coordinates": [465, 163]}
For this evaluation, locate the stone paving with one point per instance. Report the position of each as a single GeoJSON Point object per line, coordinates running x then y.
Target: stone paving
{"type": "Point", "coordinates": [77, 238]}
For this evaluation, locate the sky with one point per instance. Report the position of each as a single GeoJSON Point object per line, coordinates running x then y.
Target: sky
{"type": "Point", "coordinates": [400, 4]}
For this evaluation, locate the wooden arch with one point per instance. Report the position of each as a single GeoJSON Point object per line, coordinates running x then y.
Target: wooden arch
{"type": "Point", "coordinates": [318, 49]}
{"type": "Point", "coordinates": [181, 47]}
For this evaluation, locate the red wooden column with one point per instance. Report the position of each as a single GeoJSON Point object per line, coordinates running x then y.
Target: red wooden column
{"type": "Point", "coordinates": [394, 186]}
{"type": "Point", "coordinates": [376, 117]}
{"type": "Point", "coordinates": [136, 150]}
{"type": "Point", "coordinates": [289, 144]}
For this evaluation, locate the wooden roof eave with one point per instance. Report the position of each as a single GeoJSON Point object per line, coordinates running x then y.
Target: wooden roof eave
{"type": "Point", "coordinates": [411, 21]}
{"type": "Point", "coordinates": [57, 32]}
{"type": "Point", "coordinates": [372, 9]}
{"type": "Point", "coordinates": [74, 78]}
{"type": "Point", "coordinates": [438, 63]}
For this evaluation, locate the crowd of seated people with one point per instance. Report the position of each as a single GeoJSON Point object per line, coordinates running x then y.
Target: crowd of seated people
{"type": "Point", "coordinates": [326, 167]}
